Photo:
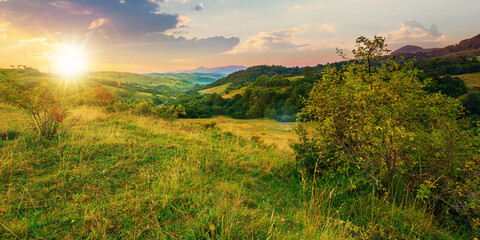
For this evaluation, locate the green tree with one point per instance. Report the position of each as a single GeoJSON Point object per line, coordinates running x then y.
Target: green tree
{"type": "Point", "coordinates": [393, 132]}
{"type": "Point", "coordinates": [369, 50]}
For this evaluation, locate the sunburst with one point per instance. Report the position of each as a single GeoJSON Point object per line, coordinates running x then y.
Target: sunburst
{"type": "Point", "coordinates": [70, 61]}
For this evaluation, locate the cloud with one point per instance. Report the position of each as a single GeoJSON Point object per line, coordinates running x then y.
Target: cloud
{"type": "Point", "coordinates": [413, 31]}
{"type": "Point", "coordinates": [327, 27]}
{"type": "Point", "coordinates": [308, 6]}
{"type": "Point", "coordinates": [114, 32]}
{"type": "Point", "coordinates": [198, 7]}
{"type": "Point", "coordinates": [183, 22]}
{"type": "Point", "coordinates": [171, 42]}
{"type": "Point", "coordinates": [125, 19]}
{"type": "Point", "coordinates": [278, 39]}
{"type": "Point", "coordinates": [97, 23]}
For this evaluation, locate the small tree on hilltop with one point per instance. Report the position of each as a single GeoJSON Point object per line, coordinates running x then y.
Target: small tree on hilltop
{"type": "Point", "coordinates": [370, 50]}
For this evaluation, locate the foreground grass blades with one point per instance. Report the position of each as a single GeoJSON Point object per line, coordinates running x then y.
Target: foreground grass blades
{"type": "Point", "coordinates": [121, 176]}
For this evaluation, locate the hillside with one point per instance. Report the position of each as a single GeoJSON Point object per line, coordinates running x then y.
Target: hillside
{"type": "Point", "coordinates": [189, 78]}
{"type": "Point", "coordinates": [122, 85]}
{"type": "Point", "coordinates": [221, 70]}
{"type": "Point", "coordinates": [248, 75]}
{"type": "Point", "coordinates": [410, 49]}
{"type": "Point", "coordinates": [133, 78]}
{"type": "Point", "coordinates": [113, 176]}
{"type": "Point", "coordinates": [466, 48]}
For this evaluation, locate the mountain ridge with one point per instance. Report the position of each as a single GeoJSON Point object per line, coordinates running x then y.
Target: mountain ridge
{"type": "Point", "coordinates": [223, 69]}
{"type": "Point", "coordinates": [411, 49]}
{"type": "Point", "coordinates": [467, 48]}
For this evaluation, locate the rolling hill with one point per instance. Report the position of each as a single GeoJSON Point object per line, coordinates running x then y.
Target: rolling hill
{"type": "Point", "coordinates": [411, 49]}
{"type": "Point", "coordinates": [240, 78]}
{"type": "Point", "coordinates": [468, 47]}
{"type": "Point", "coordinates": [122, 85]}
{"type": "Point", "coordinates": [222, 70]}
{"type": "Point", "coordinates": [189, 78]}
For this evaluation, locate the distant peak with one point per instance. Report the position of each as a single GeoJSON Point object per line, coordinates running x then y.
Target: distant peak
{"type": "Point", "coordinates": [409, 49]}
{"type": "Point", "coordinates": [224, 69]}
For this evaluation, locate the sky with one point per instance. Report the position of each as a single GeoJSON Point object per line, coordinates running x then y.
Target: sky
{"type": "Point", "coordinates": [169, 35]}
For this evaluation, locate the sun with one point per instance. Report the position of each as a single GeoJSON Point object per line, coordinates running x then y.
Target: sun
{"type": "Point", "coordinates": [70, 61]}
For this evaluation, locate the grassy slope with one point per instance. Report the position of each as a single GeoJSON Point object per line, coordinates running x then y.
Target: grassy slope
{"type": "Point", "coordinates": [221, 89]}
{"type": "Point", "coordinates": [111, 81]}
{"type": "Point", "coordinates": [218, 89]}
{"type": "Point", "coordinates": [292, 79]}
{"type": "Point", "coordinates": [125, 77]}
{"type": "Point", "coordinates": [232, 93]}
{"type": "Point", "coordinates": [471, 79]}
{"type": "Point", "coordinates": [119, 176]}
{"type": "Point", "coordinates": [193, 78]}
{"type": "Point", "coordinates": [266, 131]}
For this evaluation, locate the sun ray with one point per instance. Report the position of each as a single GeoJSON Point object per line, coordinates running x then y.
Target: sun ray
{"type": "Point", "coordinates": [70, 61]}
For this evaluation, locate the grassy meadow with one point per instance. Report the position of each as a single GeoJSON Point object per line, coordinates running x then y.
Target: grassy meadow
{"type": "Point", "coordinates": [217, 89]}
{"type": "Point", "coordinates": [120, 176]}
{"type": "Point", "coordinates": [122, 85]}
{"type": "Point", "coordinates": [471, 79]}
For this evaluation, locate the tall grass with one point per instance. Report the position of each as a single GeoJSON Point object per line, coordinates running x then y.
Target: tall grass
{"type": "Point", "coordinates": [113, 176]}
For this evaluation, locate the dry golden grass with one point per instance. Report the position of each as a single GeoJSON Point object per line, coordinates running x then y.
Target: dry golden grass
{"type": "Point", "coordinates": [266, 131]}
{"type": "Point", "coordinates": [89, 114]}
{"type": "Point", "coordinates": [218, 89]}
{"type": "Point", "coordinates": [12, 118]}
{"type": "Point", "coordinates": [471, 79]}
{"type": "Point", "coordinates": [234, 92]}
{"type": "Point", "coordinates": [293, 79]}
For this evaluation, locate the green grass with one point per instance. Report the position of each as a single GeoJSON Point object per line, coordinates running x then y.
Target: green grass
{"type": "Point", "coordinates": [222, 88]}
{"type": "Point", "coordinates": [265, 131]}
{"type": "Point", "coordinates": [218, 89]}
{"type": "Point", "coordinates": [232, 93]}
{"type": "Point", "coordinates": [125, 86]}
{"type": "Point", "coordinates": [118, 176]}
{"type": "Point", "coordinates": [293, 79]}
{"type": "Point", "coordinates": [471, 79]}
{"type": "Point", "coordinates": [124, 77]}
{"type": "Point", "coordinates": [192, 78]}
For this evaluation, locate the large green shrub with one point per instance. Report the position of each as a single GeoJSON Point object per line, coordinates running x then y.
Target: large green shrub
{"type": "Point", "coordinates": [380, 121]}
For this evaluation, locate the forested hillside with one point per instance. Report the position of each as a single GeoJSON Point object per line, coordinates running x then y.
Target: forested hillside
{"type": "Point", "coordinates": [278, 97]}
{"type": "Point", "coordinates": [246, 94]}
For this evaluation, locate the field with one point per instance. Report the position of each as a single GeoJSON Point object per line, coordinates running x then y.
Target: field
{"type": "Point", "coordinates": [222, 88]}
{"type": "Point", "coordinates": [218, 89]}
{"type": "Point", "coordinates": [471, 79]}
{"type": "Point", "coordinates": [232, 93]}
{"type": "Point", "coordinates": [133, 78]}
{"type": "Point", "coordinates": [126, 86]}
{"type": "Point", "coordinates": [112, 176]}
{"type": "Point", "coordinates": [191, 78]}
{"type": "Point", "coordinates": [266, 131]}
{"type": "Point", "coordinates": [296, 78]}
